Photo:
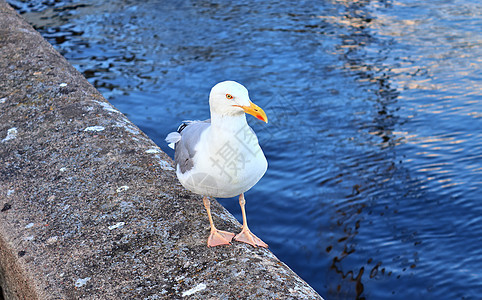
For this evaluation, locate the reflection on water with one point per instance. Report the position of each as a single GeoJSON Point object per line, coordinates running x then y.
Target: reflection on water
{"type": "Point", "coordinates": [374, 141]}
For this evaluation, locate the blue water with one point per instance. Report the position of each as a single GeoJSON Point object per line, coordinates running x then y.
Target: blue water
{"type": "Point", "coordinates": [375, 135]}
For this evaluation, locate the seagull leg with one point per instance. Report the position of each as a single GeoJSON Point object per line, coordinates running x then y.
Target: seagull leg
{"type": "Point", "coordinates": [217, 237]}
{"type": "Point", "coordinates": [246, 236]}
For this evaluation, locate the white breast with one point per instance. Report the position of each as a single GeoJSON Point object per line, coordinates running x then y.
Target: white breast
{"type": "Point", "coordinates": [226, 164]}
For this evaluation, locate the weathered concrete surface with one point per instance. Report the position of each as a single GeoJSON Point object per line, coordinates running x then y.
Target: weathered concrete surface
{"type": "Point", "coordinates": [90, 206]}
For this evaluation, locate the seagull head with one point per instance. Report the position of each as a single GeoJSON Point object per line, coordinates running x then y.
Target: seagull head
{"type": "Point", "coordinates": [229, 98]}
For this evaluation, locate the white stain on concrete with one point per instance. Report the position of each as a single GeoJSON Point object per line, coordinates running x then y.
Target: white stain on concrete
{"type": "Point", "coordinates": [107, 106]}
{"type": "Point", "coordinates": [52, 240]}
{"type": "Point", "coordinates": [81, 281]}
{"type": "Point", "coordinates": [132, 129]}
{"type": "Point", "coordinates": [94, 128]}
{"type": "Point", "coordinates": [63, 84]}
{"type": "Point", "coordinates": [154, 297]}
{"type": "Point", "coordinates": [116, 225]}
{"type": "Point", "coordinates": [153, 150]}
{"type": "Point", "coordinates": [164, 164]}
{"type": "Point", "coordinates": [11, 134]}
{"type": "Point", "coordinates": [128, 126]}
{"type": "Point", "coordinates": [194, 290]}
{"type": "Point", "coordinates": [122, 188]}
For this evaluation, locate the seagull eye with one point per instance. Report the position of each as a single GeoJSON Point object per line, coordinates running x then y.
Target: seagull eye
{"type": "Point", "coordinates": [229, 96]}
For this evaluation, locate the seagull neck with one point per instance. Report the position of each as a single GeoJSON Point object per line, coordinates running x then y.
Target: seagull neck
{"type": "Point", "coordinates": [228, 122]}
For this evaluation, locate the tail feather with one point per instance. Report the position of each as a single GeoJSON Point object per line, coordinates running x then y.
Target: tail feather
{"type": "Point", "coordinates": [172, 138]}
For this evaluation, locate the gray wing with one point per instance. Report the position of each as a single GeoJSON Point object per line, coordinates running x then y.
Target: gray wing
{"type": "Point", "coordinates": [185, 148]}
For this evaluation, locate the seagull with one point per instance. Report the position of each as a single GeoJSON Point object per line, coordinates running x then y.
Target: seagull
{"type": "Point", "coordinates": [220, 157]}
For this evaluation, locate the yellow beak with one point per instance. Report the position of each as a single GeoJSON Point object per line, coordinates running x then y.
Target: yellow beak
{"type": "Point", "coordinates": [254, 110]}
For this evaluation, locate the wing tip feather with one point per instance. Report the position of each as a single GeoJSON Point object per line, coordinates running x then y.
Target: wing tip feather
{"type": "Point", "coordinates": [172, 138]}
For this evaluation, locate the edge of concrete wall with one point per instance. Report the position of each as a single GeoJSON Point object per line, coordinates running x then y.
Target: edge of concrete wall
{"type": "Point", "coordinates": [90, 207]}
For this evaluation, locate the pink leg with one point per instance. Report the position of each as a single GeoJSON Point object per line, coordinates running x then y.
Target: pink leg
{"type": "Point", "coordinates": [217, 237]}
{"type": "Point", "coordinates": [246, 236]}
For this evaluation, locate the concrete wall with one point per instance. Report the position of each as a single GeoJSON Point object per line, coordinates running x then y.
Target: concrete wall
{"type": "Point", "coordinates": [90, 207]}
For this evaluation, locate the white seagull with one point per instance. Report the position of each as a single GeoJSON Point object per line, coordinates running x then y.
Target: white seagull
{"type": "Point", "coordinates": [221, 157]}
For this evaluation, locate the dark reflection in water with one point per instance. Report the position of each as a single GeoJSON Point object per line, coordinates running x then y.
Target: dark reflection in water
{"type": "Point", "coordinates": [375, 134]}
